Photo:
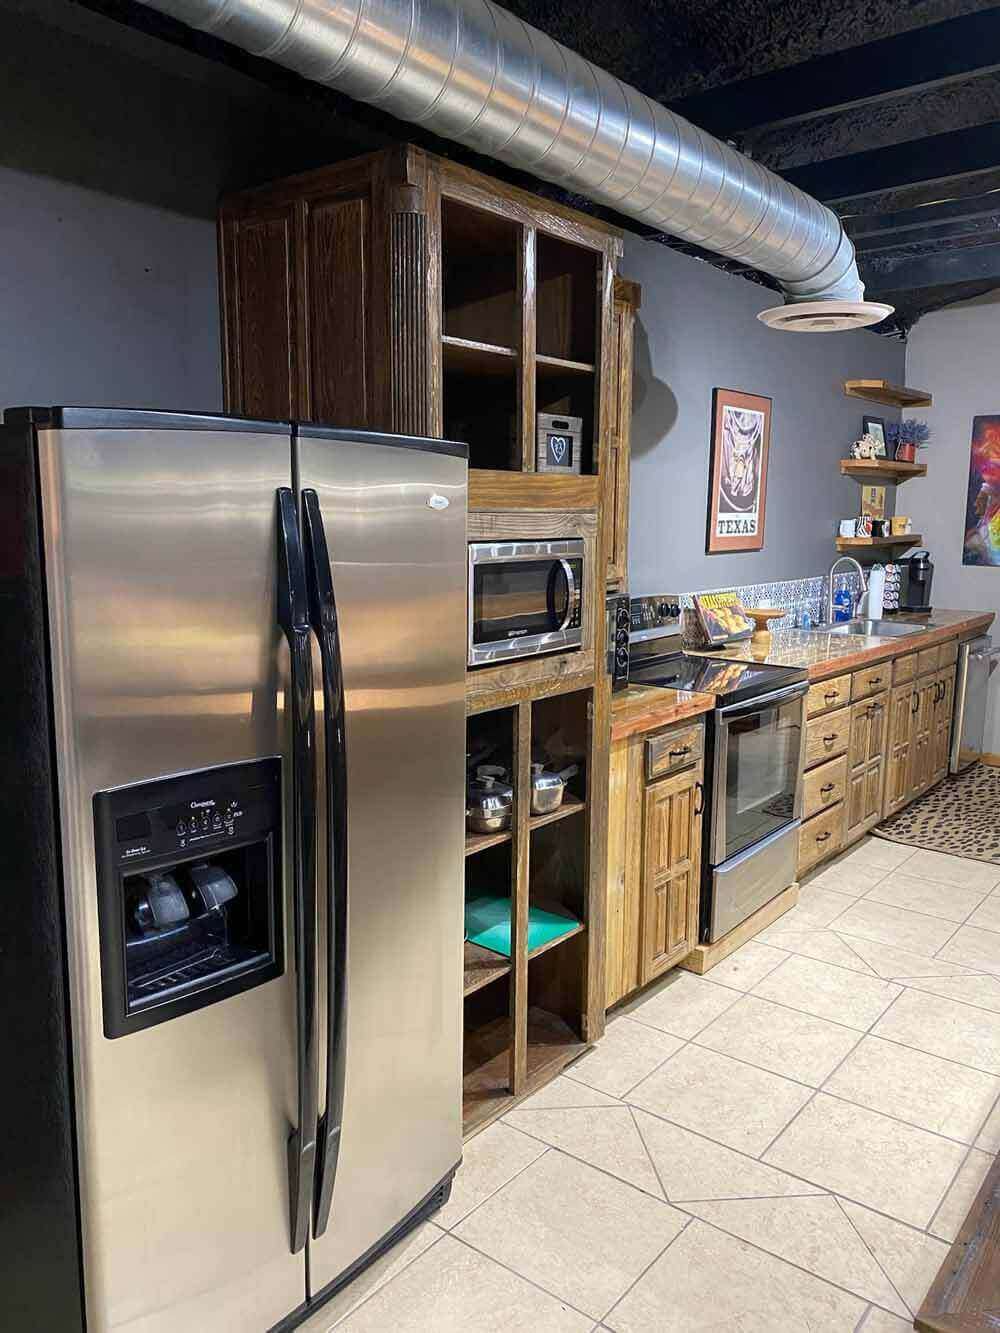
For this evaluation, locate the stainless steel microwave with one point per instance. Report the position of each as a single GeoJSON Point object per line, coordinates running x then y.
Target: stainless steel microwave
{"type": "Point", "coordinates": [525, 598]}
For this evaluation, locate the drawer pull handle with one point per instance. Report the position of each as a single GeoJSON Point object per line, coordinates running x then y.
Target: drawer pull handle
{"type": "Point", "coordinates": [915, 707]}
{"type": "Point", "coordinates": [699, 788]}
{"type": "Point", "coordinates": [830, 786]}
{"type": "Point", "coordinates": [874, 680]}
{"type": "Point", "coordinates": [828, 740]}
{"type": "Point", "coordinates": [822, 837]}
{"type": "Point", "coordinates": [679, 754]}
{"type": "Point", "coordinates": [831, 695]}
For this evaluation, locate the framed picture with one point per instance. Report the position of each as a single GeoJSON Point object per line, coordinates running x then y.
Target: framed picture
{"type": "Point", "coordinates": [875, 427]}
{"type": "Point", "coordinates": [741, 436]}
{"type": "Point", "coordinates": [981, 545]}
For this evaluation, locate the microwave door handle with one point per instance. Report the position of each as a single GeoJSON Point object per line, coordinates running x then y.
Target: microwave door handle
{"type": "Point", "coordinates": [325, 622]}
{"type": "Point", "coordinates": [293, 618]}
{"type": "Point", "coordinates": [571, 594]}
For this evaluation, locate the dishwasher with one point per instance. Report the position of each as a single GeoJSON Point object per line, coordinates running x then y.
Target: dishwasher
{"type": "Point", "coordinates": [976, 662]}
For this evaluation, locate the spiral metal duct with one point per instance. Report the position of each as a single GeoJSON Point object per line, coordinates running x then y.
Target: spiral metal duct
{"type": "Point", "coordinates": [471, 71]}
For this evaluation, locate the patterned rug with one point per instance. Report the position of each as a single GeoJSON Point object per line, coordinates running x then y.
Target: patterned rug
{"type": "Point", "coordinates": [961, 816]}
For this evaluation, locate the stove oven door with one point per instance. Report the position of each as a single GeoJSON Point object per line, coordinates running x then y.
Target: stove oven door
{"type": "Point", "coordinates": [758, 760]}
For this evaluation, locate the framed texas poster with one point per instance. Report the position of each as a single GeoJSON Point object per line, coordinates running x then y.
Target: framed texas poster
{"type": "Point", "coordinates": [741, 434]}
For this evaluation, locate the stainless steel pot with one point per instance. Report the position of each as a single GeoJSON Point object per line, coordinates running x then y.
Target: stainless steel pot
{"type": "Point", "coordinates": [488, 806]}
{"type": "Point", "coordinates": [548, 789]}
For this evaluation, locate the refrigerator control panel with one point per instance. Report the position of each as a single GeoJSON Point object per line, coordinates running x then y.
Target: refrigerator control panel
{"type": "Point", "coordinates": [189, 891]}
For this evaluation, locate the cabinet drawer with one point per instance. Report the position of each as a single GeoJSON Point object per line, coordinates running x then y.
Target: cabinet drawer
{"type": "Point", "coordinates": [826, 695]}
{"type": "Point", "coordinates": [827, 736]}
{"type": "Point", "coordinates": [673, 750]}
{"type": "Point", "coordinates": [904, 669]}
{"type": "Point", "coordinates": [948, 654]}
{"type": "Point", "coordinates": [873, 681]}
{"type": "Point", "coordinates": [822, 835]}
{"type": "Point", "coordinates": [824, 786]}
{"type": "Point", "coordinates": [927, 661]}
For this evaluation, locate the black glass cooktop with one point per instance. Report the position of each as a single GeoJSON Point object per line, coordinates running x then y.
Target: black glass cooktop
{"type": "Point", "coordinates": [733, 681]}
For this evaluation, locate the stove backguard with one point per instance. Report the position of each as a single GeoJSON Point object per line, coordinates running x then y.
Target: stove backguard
{"type": "Point", "coordinates": [188, 883]}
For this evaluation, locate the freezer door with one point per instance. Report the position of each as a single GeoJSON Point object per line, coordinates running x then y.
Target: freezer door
{"type": "Point", "coordinates": [394, 520]}
{"type": "Point", "coordinates": [160, 551]}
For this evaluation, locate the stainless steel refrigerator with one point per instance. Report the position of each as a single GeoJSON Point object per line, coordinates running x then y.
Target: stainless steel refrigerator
{"type": "Point", "coordinates": [232, 820]}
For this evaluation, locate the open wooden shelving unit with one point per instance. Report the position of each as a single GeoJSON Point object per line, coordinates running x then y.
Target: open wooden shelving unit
{"type": "Point", "coordinates": [529, 1015]}
{"type": "Point", "coordinates": [889, 395]}
{"type": "Point", "coordinates": [868, 470]}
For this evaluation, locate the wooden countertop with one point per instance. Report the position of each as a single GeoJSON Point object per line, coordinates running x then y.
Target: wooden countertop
{"type": "Point", "coordinates": [640, 708]}
{"type": "Point", "coordinates": [826, 655]}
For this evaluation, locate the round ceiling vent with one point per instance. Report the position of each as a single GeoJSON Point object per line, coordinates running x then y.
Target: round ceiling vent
{"type": "Point", "coordinates": [824, 316]}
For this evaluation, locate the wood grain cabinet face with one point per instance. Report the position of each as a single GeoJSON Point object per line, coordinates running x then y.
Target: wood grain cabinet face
{"type": "Point", "coordinates": [672, 871]}
{"type": "Point", "coordinates": [944, 708]}
{"type": "Point", "coordinates": [902, 730]}
{"type": "Point", "coordinates": [867, 765]}
{"type": "Point", "coordinates": [618, 462]}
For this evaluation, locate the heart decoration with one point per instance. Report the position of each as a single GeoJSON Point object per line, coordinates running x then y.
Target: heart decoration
{"type": "Point", "coordinates": [557, 445]}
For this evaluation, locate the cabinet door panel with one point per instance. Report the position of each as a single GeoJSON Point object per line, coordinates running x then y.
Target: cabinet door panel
{"type": "Point", "coordinates": [898, 761]}
{"type": "Point", "coordinates": [337, 254]}
{"type": "Point", "coordinates": [671, 873]}
{"type": "Point", "coordinates": [258, 274]}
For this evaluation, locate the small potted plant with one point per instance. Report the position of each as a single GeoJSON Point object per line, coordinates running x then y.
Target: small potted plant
{"type": "Point", "coordinates": [906, 437]}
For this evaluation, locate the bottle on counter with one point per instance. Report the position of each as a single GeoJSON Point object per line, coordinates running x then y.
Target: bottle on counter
{"type": "Point", "coordinates": [843, 607]}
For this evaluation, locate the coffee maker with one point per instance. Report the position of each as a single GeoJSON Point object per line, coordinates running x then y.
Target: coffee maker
{"type": "Point", "coordinates": [915, 588]}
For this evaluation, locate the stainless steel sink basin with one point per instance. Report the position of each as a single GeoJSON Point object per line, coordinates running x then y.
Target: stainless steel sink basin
{"type": "Point", "coordinates": [876, 629]}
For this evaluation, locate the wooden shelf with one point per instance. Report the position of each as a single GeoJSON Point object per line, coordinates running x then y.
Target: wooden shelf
{"type": "Point", "coordinates": [494, 489]}
{"type": "Point", "coordinates": [474, 358]}
{"type": "Point", "coordinates": [550, 367]}
{"type": "Point", "coordinates": [486, 1064]}
{"type": "Point", "coordinates": [552, 1044]}
{"type": "Point", "coordinates": [881, 469]}
{"type": "Point", "coordinates": [853, 543]}
{"type": "Point", "coordinates": [570, 806]}
{"type": "Point", "coordinates": [891, 395]}
{"type": "Point", "coordinates": [478, 842]}
{"type": "Point", "coordinates": [576, 929]}
{"type": "Point", "coordinates": [482, 966]}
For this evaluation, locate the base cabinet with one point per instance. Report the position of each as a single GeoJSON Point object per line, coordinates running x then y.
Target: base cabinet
{"type": "Point", "coordinates": [867, 766]}
{"type": "Point", "coordinates": [654, 856]}
{"type": "Point", "coordinates": [903, 706]}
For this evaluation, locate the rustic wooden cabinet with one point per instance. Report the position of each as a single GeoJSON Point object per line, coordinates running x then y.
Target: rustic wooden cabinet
{"type": "Point", "coordinates": [903, 706]}
{"type": "Point", "coordinates": [654, 855]}
{"type": "Point", "coordinates": [866, 765]}
{"type": "Point", "coordinates": [628, 298]}
{"type": "Point", "coordinates": [400, 291]}
{"type": "Point", "coordinates": [944, 709]}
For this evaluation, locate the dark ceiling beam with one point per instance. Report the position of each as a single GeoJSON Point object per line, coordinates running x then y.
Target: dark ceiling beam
{"type": "Point", "coordinates": [980, 224]}
{"type": "Point", "coordinates": [939, 157]}
{"type": "Point", "coordinates": [928, 217]}
{"type": "Point", "coordinates": [969, 263]}
{"type": "Point", "coordinates": [953, 49]}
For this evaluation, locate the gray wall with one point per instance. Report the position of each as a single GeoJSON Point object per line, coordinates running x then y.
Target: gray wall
{"type": "Point", "coordinates": [697, 331]}
{"type": "Point", "coordinates": [114, 150]}
{"type": "Point", "coordinates": [955, 353]}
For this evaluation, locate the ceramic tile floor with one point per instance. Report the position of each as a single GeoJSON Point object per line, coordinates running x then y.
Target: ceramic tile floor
{"type": "Point", "coordinates": [789, 1143]}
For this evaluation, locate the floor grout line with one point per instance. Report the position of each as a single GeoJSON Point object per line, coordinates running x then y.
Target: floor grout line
{"type": "Point", "coordinates": [654, 1070]}
{"type": "Point", "coordinates": [523, 1278]}
{"type": "Point", "coordinates": [493, 1193]}
{"type": "Point", "coordinates": [383, 1285]}
{"type": "Point", "coordinates": [874, 1257]}
{"type": "Point", "coordinates": [634, 1284]}
{"type": "Point", "coordinates": [649, 1155]}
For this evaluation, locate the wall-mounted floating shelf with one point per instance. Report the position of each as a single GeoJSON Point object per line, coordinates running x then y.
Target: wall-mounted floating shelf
{"type": "Point", "coordinates": [891, 395]}
{"type": "Point", "coordinates": [849, 544]}
{"type": "Point", "coordinates": [881, 469]}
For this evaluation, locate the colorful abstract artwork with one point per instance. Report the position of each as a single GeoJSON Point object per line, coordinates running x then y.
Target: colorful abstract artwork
{"type": "Point", "coordinates": [982, 508]}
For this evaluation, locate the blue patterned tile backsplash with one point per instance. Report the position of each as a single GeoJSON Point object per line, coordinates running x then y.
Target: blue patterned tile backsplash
{"type": "Point", "coordinates": [794, 595]}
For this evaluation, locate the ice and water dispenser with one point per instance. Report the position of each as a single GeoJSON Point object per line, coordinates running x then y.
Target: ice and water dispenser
{"type": "Point", "coordinates": [189, 891]}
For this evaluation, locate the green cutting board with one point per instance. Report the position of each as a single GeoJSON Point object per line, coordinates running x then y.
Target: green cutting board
{"type": "Point", "coordinates": [487, 923]}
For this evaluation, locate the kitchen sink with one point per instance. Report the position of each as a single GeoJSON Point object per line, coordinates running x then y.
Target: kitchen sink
{"type": "Point", "coordinates": [876, 629]}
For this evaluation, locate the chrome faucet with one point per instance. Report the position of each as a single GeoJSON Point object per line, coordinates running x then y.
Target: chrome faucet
{"type": "Point", "coordinates": [829, 592]}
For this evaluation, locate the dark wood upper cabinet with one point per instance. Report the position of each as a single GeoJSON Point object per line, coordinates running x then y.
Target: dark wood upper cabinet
{"type": "Point", "coordinates": [403, 292]}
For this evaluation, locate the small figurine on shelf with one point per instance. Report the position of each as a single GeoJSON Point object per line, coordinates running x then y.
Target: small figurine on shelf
{"type": "Point", "coordinates": [906, 437]}
{"type": "Point", "coordinates": [866, 447]}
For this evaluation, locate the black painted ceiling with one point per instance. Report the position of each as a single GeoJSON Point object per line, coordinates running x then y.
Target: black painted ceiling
{"type": "Point", "coordinates": [888, 110]}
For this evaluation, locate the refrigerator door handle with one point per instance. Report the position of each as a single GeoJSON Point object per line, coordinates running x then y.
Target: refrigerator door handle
{"type": "Point", "coordinates": [323, 615]}
{"type": "Point", "coordinates": [293, 618]}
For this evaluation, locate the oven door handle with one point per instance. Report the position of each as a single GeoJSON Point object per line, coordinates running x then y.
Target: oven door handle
{"type": "Point", "coordinates": [732, 712]}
